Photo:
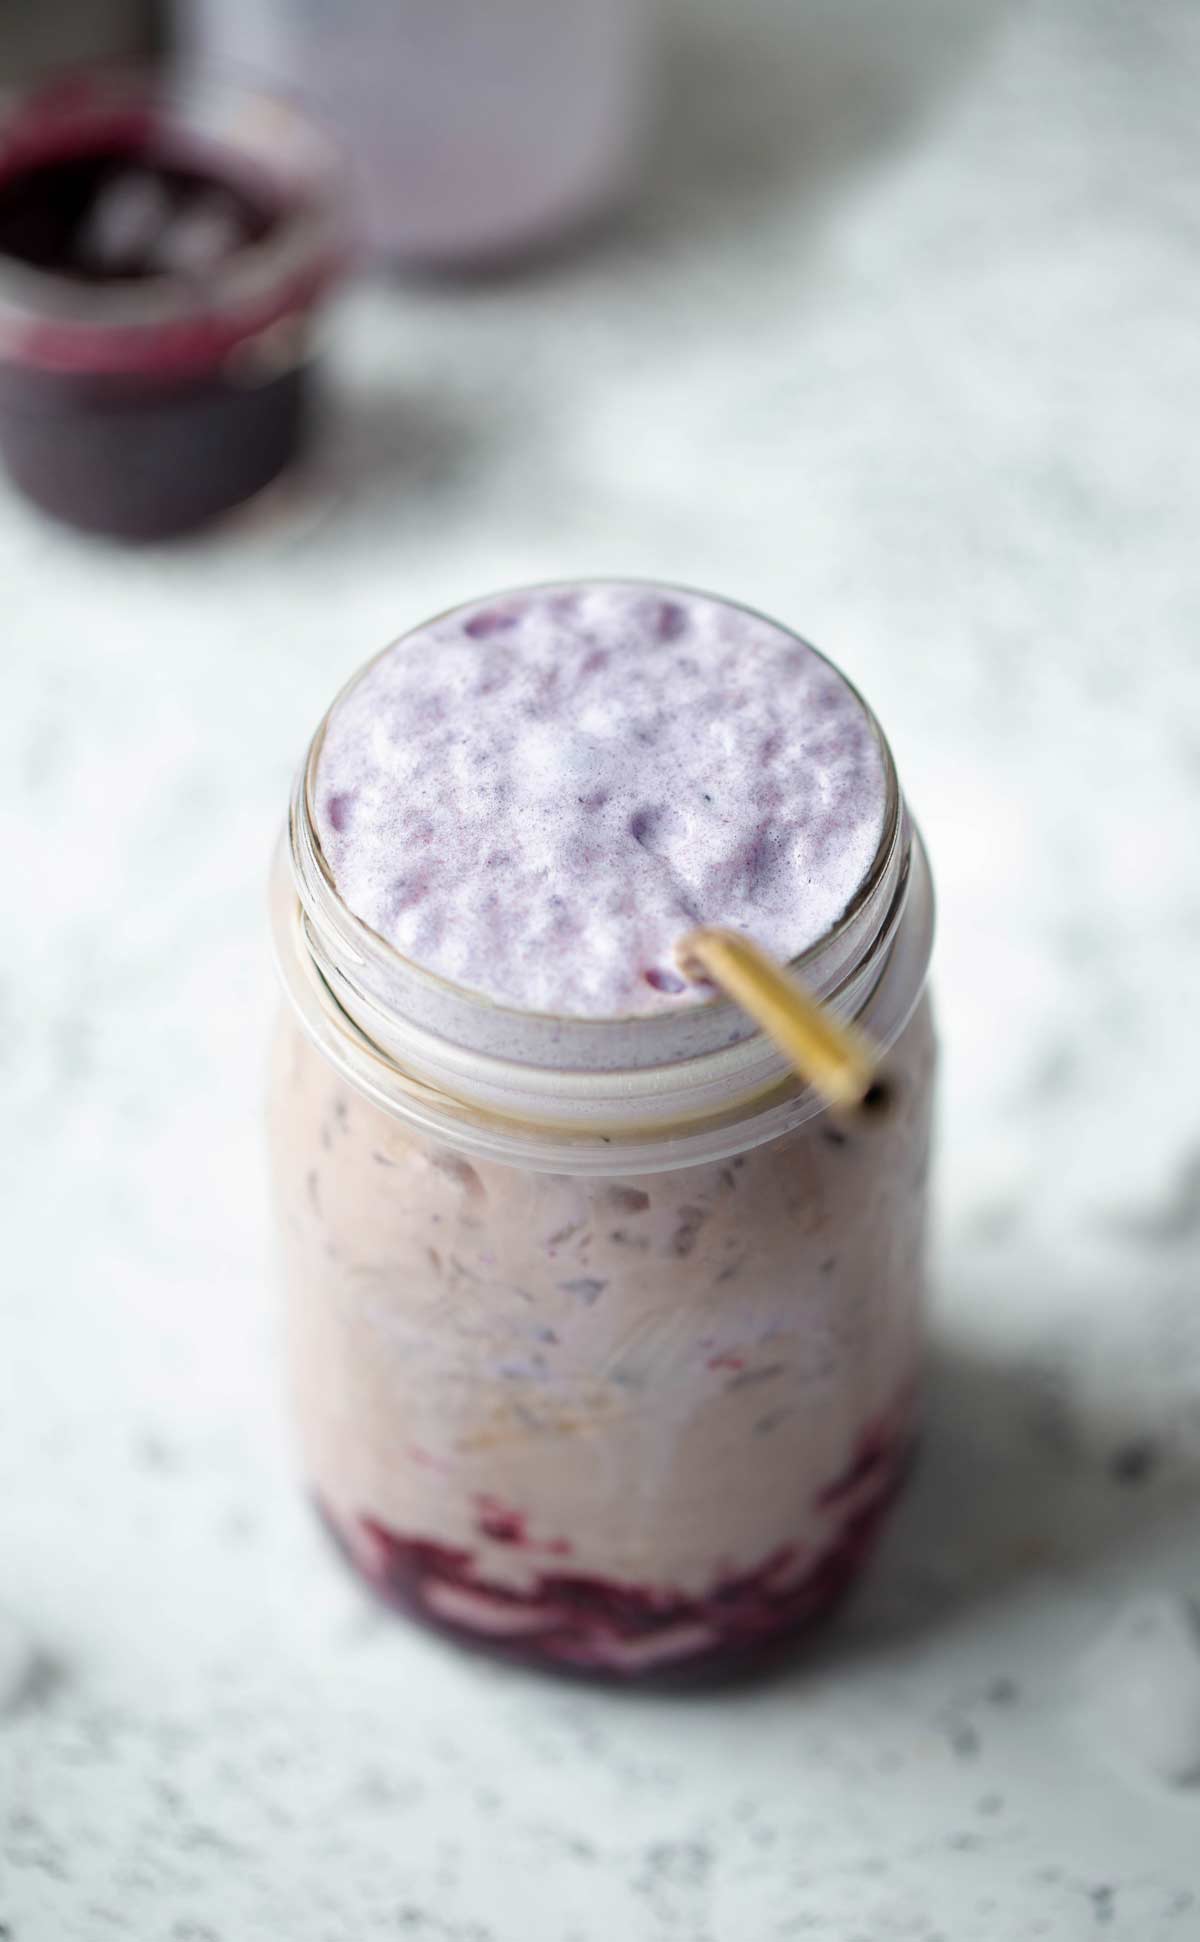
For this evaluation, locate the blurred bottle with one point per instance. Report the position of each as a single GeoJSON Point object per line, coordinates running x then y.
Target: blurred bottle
{"type": "Point", "coordinates": [480, 128]}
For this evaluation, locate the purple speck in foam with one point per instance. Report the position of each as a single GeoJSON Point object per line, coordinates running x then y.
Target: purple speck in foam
{"type": "Point", "coordinates": [760, 860]}
{"type": "Point", "coordinates": [493, 620]}
{"type": "Point", "coordinates": [666, 981]}
{"type": "Point", "coordinates": [641, 824]}
{"type": "Point", "coordinates": [406, 892]}
{"type": "Point", "coordinates": [338, 807]}
{"type": "Point", "coordinates": [670, 621]}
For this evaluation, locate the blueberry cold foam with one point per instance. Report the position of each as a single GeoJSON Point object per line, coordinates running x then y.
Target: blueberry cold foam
{"type": "Point", "coordinates": [536, 796]}
{"type": "Point", "coordinates": [583, 1374]}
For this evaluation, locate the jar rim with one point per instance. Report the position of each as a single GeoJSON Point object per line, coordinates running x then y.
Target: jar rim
{"type": "Point", "coordinates": [765, 1100]}
{"type": "Point", "coordinates": [56, 323]}
{"type": "Point", "coordinates": [580, 1041]}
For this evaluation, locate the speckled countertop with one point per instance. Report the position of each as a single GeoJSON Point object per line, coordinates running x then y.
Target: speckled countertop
{"type": "Point", "coordinates": [902, 346]}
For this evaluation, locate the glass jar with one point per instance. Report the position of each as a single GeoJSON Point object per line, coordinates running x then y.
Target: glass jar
{"type": "Point", "coordinates": [481, 128]}
{"type": "Point", "coordinates": [604, 1334]}
{"type": "Point", "coordinates": [141, 398]}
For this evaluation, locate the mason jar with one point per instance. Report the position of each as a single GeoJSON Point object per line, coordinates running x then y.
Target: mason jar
{"type": "Point", "coordinates": [481, 128]}
{"type": "Point", "coordinates": [604, 1334]}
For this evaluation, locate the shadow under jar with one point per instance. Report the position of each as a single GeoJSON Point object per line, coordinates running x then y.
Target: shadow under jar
{"type": "Point", "coordinates": [164, 253]}
{"type": "Point", "coordinates": [605, 1335]}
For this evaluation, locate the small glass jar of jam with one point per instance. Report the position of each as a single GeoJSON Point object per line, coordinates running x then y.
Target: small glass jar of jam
{"type": "Point", "coordinates": [163, 257]}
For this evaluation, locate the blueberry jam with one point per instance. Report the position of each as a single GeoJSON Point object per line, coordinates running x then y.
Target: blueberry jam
{"type": "Point", "coordinates": [126, 215]}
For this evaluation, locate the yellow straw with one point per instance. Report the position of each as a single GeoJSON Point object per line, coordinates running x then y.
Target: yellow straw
{"type": "Point", "coordinates": [835, 1058]}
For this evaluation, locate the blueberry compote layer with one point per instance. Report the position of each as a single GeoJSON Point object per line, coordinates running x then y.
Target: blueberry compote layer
{"type": "Point", "coordinates": [572, 1621]}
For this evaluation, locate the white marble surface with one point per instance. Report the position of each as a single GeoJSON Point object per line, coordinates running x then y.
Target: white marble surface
{"type": "Point", "coordinates": [902, 346]}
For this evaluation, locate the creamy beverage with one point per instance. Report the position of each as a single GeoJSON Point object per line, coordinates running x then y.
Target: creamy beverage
{"type": "Point", "coordinates": [604, 1334]}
